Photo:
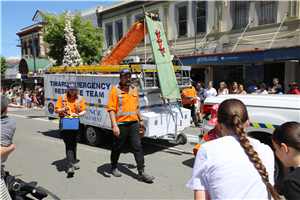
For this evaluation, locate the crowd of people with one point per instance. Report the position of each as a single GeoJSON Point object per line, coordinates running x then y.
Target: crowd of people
{"type": "Point", "coordinates": [28, 98]}
{"type": "Point", "coordinates": [201, 93]}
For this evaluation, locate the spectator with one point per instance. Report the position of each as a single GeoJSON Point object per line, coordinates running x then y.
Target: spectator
{"type": "Point", "coordinates": [223, 89]}
{"type": "Point", "coordinates": [209, 91]}
{"type": "Point", "coordinates": [242, 81]}
{"type": "Point", "coordinates": [8, 125]}
{"type": "Point", "coordinates": [278, 90]}
{"type": "Point", "coordinates": [262, 89]}
{"type": "Point", "coordinates": [250, 88]}
{"type": "Point", "coordinates": [241, 90]}
{"type": "Point", "coordinates": [231, 167]}
{"type": "Point", "coordinates": [26, 99]}
{"type": "Point", "coordinates": [200, 94]}
{"type": "Point", "coordinates": [286, 140]}
{"type": "Point", "coordinates": [234, 88]}
{"type": "Point", "coordinates": [10, 97]}
{"type": "Point", "coordinates": [214, 133]}
{"type": "Point", "coordinates": [275, 83]}
{"type": "Point", "coordinates": [5, 151]}
{"type": "Point", "coordinates": [289, 91]}
{"type": "Point", "coordinates": [2, 92]}
{"type": "Point", "coordinates": [255, 90]}
{"type": "Point", "coordinates": [18, 98]}
{"type": "Point", "coordinates": [294, 88]}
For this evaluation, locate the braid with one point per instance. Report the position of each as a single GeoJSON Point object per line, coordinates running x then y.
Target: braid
{"type": "Point", "coordinates": [252, 154]}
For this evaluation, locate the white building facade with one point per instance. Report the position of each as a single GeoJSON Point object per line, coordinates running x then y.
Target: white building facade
{"type": "Point", "coordinates": [229, 35]}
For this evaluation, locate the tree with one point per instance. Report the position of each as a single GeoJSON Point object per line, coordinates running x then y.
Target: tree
{"type": "Point", "coordinates": [4, 66]}
{"type": "Point", "coordinates": [89, 39]}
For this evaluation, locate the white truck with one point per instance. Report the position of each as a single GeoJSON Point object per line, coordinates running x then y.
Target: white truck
{"type": "Point", "coordinates": [162, 119]}
{"type": "Point", "coordinates": [266, 112]}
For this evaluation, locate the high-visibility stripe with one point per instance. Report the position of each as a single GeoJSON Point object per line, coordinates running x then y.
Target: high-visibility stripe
{"type": "Point", "coordinates": [257, 125]}
{"type": "Point", "coordinates": [106, 106]}
{"type": "Point", "coordinates": [126, 113]}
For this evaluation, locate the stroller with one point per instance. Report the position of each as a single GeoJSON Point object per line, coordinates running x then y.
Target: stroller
{"type": "Point", "coordinates": [18, 189]}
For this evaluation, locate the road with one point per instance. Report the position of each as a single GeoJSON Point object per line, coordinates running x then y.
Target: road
{"type": "Point", "coordinates": [40, 156]}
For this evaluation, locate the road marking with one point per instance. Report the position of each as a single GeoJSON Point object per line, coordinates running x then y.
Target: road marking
{"type": "Point", "coordinates": [57, 121]}
{"type": "Point", "coordinates": [26, 117]}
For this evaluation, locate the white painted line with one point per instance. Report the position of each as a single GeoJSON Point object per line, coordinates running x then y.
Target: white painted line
{"type": "Point", "coordinates": [55, 121]}
{"type": "Point", "coordinates": [26, 117]}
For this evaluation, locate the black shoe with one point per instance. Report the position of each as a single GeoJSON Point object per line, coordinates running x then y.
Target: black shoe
{"type": "Point", "coordinates": [198, 125]}
{"type": "Point", "coordinates": [70, 169]}
{"type": "Point", "coordinates": [145, 177]}
{"type": "Point", "coordinates": [116, 172]}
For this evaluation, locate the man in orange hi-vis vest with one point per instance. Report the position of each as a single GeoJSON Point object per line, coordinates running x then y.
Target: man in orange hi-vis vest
{"type": "Point", "coordinates": [188, 96]}
{"type": "Point", "coordinates": [125, 116]}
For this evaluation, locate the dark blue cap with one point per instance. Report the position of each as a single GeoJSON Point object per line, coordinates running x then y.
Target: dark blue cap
{"type": "Point", "coordinates": [71, 86]}
{"type": "Point", "coordinates": [125, 71]}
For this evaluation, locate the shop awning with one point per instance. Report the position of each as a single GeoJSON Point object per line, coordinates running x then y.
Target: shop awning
{"type": "Point", "coordinates": [292, 53]}
{"type": "Point", "coordinates": [12, 72]}
{"type": "Point", "coordinates": [224, 58]}
{"type": "Point", "coordinates": [27, 65]}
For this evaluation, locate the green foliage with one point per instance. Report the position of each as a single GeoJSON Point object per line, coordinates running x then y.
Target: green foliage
{"type": "Point", "coordinates": [4, 66]}
{"type": "Point", "coordinates": [89, 39]}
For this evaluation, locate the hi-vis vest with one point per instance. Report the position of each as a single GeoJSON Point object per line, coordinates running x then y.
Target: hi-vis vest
{"type": "Point", "coordinates": [190, 92]}
{"type": "Point", "coordinates": [126, 105]}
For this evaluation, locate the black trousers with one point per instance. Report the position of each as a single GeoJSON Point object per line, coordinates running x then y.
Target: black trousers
{"type": "Point", "coordinates": [131, 131]}
{"type": "Point", "coordinates": [70, 140]}
{"type": "Point", "coordinates": [193, 114]}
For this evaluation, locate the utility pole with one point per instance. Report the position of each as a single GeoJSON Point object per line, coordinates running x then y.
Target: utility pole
{"type": "Point", "coordinates": [33, 53]}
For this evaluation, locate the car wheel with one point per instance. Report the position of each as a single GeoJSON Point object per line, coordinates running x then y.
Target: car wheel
{"type": "Point", "coordinates": [91, 135]}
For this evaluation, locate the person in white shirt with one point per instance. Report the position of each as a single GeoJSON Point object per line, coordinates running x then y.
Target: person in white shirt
{"type": "Point", "coordinates": [209, 91]}
{"type": "Point", "coordinates": [233, 166]}
{"type": "Point", "coordinates": [262, 89]}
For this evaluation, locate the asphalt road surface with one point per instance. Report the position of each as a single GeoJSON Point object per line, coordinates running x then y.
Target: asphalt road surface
{"type": "Point", "coordinates": [40, 156]}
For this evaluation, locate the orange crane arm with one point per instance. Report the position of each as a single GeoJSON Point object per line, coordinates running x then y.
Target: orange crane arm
{"type": "Point", "coordinates": [127, 43]}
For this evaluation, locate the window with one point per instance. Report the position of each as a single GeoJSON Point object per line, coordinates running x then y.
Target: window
{"type": "Point", "coordinates": [119, 30]}
{"type": "Point", "coordinates": [182, 20]}
{"type": "Point", "coordinates": [109, 33]}
{"type": "Point", "coordinates": [267, 8]}
{"type": "Point", "coordinates": [201, 16]}
{"type": "Point", "coordinates": [240, 13]}
{"type": "Point", "coordinates": [293, 8]}
{"type": "Point", "coordinates": [166, 21]}
{"type": "Point", "coordinates": [218, 10]}
{"type": "Point", "coordinates": [128, 22]}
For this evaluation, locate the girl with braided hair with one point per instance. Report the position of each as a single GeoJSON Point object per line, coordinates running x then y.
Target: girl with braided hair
{"type": "Point", "coordinates": [234, 166]}
{"type": "Point", "coordinates": [286, 140]}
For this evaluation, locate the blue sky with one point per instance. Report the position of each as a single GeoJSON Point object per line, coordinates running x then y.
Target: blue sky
{"type": "Point", "coordinates": [16, 15]}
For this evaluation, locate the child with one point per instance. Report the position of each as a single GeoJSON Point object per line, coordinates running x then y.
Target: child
{"type": "Point", "coordinates": [214, 133]}
{"type": "Point", "coordinates": [255, 89]}
{"type": "Point", "coordinates": [286, 140]}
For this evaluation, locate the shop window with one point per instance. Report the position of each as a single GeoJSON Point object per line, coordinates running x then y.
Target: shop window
{"type": "Point", "coordinates": [293, 8]}
{"type": "Point", "coordinates": [201, 16]}
{"type": "Point", "coordinates": [240, 13]}
{"type": "Point", "coordinates": [217, 13]}
{"type": "Point", "coordinates": [267, 9]}
{"type": "Point", "coordinates": [109, 33]}
{"type": "Point", "coordinates": [182, 20]}
{"type": "Point", "coordinates": [119, 30]}
{"type": "Point", "coordinates": [227, 74]}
